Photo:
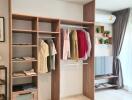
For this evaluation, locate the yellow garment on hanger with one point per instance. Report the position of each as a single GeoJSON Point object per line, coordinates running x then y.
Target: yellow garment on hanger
{"type": "Point", "coordinates": [42, 57]}
{"type": "Point", "coordinates": [74, 45]}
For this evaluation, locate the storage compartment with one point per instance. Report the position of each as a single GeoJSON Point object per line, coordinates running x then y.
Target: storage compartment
{"type": "Point", "coordinates": [24, 22]}
{"type": "Point", "coordinates": [48, 25]}
{"type": "Point", "coordinates": [21, 38]}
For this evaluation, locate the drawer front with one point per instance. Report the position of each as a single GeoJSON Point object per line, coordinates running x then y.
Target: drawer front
{"type": "Point", "coordinates": [25, 96]}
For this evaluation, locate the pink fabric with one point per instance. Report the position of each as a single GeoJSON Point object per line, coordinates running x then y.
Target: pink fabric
{"type": "Point", "coordinates": [66, 45]}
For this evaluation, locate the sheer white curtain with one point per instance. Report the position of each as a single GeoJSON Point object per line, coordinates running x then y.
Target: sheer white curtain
{"type": "Point", "coordinates": [126, 56]}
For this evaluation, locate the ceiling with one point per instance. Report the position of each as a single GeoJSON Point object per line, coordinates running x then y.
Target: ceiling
{"type": "Point", "coordinates": [109, 5]}
{"type": "Point", "coordinates": [113, 5]}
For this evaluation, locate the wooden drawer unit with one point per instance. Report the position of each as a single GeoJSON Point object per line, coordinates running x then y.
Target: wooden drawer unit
{"type": "Point", "coordinates": [25, 95]}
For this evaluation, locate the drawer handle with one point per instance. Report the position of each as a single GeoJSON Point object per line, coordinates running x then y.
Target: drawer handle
{"type": "Point", "coordinates": [25, 93]}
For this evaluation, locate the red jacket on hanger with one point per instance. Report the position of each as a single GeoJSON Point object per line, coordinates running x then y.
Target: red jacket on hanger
{"type": "Point", "coordinates": [82, 43]}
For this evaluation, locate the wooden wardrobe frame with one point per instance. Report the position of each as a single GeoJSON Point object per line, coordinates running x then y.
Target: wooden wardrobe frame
{"type": "Point", "coordinates": [88, 69]}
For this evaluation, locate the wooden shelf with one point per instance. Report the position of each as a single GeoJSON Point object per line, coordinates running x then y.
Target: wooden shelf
{"type": "Point", "coordinates": [23, 31]}
{"type": "Point", "coordinates": [76, 97]}
{"type": "Point", "coordinates": [49, 20]}
{"type": "Point", "coordinates": [72, 22]}
{"type": "Point", "coordinates": [105, 77]}
{"type": "Point", "coordinates": [112, 86]}
{"type": "Point", "coordinates": [23, 45]}
{"type": "Point", "coordinates": [2, 82]}
{"type": "Point", "coordinates": [2, 67]}
{"type": "Point", "coordinates": [26, 76]}
{"type": "Point", "coordinates": [23, 17]}
{"type": "Point", "coordinates": [23, 91]}
{"type": "Point", "coordinates": [47, 32]}
{"type": "Point", "coordinates": [23, 61]}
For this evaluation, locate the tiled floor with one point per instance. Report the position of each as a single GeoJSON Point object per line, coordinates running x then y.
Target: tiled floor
{"type": "Point", "coordinates": [106, 95]}
{"type": "Point", "coordinates": [113, 95]}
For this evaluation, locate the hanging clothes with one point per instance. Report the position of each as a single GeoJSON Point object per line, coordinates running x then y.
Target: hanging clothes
{"type": "Point", "coordinates": [42, 57]}
{"type": "Point", "coordinates": [82, 43]}
{"type": "Point", "coordinates": [88, 43]}
{"type": "Point", "coordinates": [65, 44]}
{"type": "Point", "coordinates": [52, 53]}
{"type": "Point", "coordinates": [74, 45]}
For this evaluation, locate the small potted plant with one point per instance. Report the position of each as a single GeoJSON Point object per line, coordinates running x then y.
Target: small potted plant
{"type": "Point", "coordinates": [101, 41]}
{"type": "Point", "coordinates": [97, 30]}
{"type": "Point", "coordinates": [106, 41]}
{"type": "Point", "coordinates": [106, 34]}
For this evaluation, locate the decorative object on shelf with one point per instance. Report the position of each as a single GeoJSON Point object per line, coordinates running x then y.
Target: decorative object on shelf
{"type": "Point", "coordinates": [110, 40]}
{"type": "Point", "coordinates": [106, 41]}
{"type": "Point", "coordinates": [106, 34]}
{"type": "Point", "coordinates": [101, 41]}
{"type": "Point", "coordinates": [100, 29]}
{"type": "Point", "coordinates": [2, 29]}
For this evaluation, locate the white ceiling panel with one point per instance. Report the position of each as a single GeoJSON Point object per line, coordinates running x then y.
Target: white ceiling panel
{"type": "Point", "coordinates": [113, 5]}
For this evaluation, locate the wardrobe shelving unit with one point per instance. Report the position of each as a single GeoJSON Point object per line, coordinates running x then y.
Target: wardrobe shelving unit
{"type": "Point", "coordinates": [36, 32]}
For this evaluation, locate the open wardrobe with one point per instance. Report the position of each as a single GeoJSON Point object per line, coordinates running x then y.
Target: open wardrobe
{"type": "Point", "coordinates": [51, 49]}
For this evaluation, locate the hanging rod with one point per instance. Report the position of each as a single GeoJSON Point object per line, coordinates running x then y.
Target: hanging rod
{"type": "Point", "coordinates": [75, 64]}
{"type": "Point", "coordinates": [73, 26]}
{"type": "Point", "coordinates": [47, 37]}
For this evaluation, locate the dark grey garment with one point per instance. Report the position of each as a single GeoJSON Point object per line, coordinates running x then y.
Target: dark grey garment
{"type": "Point", "coordinates": [119, 29]}
{"type": "Point", "coordinates": [51, 57]}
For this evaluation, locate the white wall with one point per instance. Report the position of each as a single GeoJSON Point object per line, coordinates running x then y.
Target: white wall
{"type": "Point", "coordinates": [71, 75]}
{"type": "Point", "coordinates": [49, 8]}
{"type": "Point", "coordinates": [126, 56]}
{"type": "Point", "coordinates": [4, 45]}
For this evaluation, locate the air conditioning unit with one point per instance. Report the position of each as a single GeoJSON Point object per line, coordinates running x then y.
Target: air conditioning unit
{"type": "Point", "coordinates": [107, 19]}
